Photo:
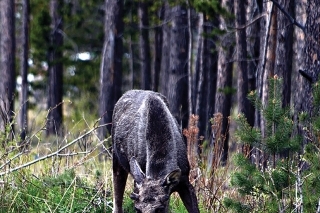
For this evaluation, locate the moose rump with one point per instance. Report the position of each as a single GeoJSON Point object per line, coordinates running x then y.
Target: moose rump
{"type": "Point", "coordinates": [147, 143]}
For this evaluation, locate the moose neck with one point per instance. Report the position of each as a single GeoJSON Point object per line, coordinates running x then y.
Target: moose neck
{"type": "Point", "coordinates": [161, 134]}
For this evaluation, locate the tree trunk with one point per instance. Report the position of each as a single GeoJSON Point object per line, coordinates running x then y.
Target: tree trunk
{"type": "Point", "coordinates": [111, 64]}
{"type": "Point", "coordinates": [207, 68]}
{"type": "Point", "coordinates": [145, 58]}
{"type": "Point", "coordinates": [54, 123]}
{"type": "Point", "coordinates": [241, 54]}
{"type": "Point", "coordinates": [165, 59]}
{"type": "Point", "coordinates": [190, 61]}
{"type": "Point", "coordinates": [177, 80]}
{"type": "Point", "coordinates": [253, 45]}
{"type": "Point", "coordinates": [7, 62]}
{"type": "Point", "coordinates": [283, 66]}
{"type": "Point", "coordinates": [158, 40]}
{"type": "Point", "coordinates": [262, 72]}
{"type": "Point", "coordinates": [241, 57]}
{"type": "Point", "coordinates": [312, 50]}
{"type": "Point", "coordinates": [211, 64]}
{"type": "Point", "coordinates": [23, 114]}
{"type": "Point", "coordinates": [299, 56]}
{"type": "Point", "coordinates": [224, 91]}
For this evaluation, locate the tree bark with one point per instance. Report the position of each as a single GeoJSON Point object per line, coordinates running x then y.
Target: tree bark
{"type": "Point", "coordinates": [211, 65]}
{"type": "Point", "coordinates": [299, 56]}
{"type": "Point", "coordinates": [177, 81]}
{"type": "Point", "coordinates": [55, 85]}
{"type": "Point", "coordinates": [224, 88]}
{"type": "Point", "coordinates": [241, 54]}
{"type": "Point", "coordinates": [7, 62]}
{"type": "Point", "coordinates": [111, 64]}
{"type": "Point", "coordinates": [23, 114]}
{"type": "Point", "coordinates": [158, 42]}
{"type": "Point", "coordinates": [165, 59]}
{"type": "Point", "coordinates": [262, 72]}
{"type": "Point", "coordinates": [253, 45]}
{"type": "Point", "coordinates": [145, 58]}
{"type": "Point", "coordinates": [283, 66]}
{"type": "Point", "coordinates": [312, 50]}
{"type": "Point", "coordinates": [190, 61]}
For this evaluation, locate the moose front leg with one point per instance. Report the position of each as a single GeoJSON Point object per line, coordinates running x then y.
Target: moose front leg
{"type": "Point", "coordinates": [119, 183]}
{"type": "Point", "coordinates": [188, 196]}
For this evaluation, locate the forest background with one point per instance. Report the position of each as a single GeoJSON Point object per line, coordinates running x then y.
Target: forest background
{"type": "Point", "coordinates": [245, 67]}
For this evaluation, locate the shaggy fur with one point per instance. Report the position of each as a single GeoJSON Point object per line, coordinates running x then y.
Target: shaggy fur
{"type": "Point", "coordinates": [147, 143]}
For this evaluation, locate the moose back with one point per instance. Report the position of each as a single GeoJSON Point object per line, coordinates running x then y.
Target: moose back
{"type": "Point", "coordinates": [148, 144]}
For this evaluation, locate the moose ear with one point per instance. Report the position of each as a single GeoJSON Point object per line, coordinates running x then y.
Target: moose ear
{"type": "Point", "coordinates": [136, 171]}
{"type": "Point", "coordinates": [172, 178]}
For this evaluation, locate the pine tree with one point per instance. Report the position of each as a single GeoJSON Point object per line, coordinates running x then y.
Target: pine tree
{"type": "Point", "coordinates": [268, 187]}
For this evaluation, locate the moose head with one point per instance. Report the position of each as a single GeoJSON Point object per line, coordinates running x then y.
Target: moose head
{"type": "Point", "coordinates": [152, 195]}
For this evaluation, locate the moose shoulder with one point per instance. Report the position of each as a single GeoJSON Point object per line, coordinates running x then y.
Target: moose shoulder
{"type": "Point", "coordinates": [147, 143]}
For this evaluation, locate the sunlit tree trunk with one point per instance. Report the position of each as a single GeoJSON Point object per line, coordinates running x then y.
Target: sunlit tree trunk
{"type": "Point", "coordinates": [263, 72]}
{"type": "Point", "coordinates": [111, 64]}
{"type": "Point", "coordinates": [201, 73]}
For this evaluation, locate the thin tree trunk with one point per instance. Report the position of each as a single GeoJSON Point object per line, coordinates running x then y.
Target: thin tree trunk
{"type": "Point", "coordinates": [189, 63]}
{"type": "Point", "coordinates": [241, 54]}
{"type": "Point", "coordinates": [283, 66]}
{"type": "Point", "coordinates": [204, 70]}
{"type": "Point", "coordinates": [263, 73]}
{"type": "Point", "coordinates": [23, 114]}
{"type": "Point", "coordinates": [177, 80]}
{"type": "Point", "coordinates": [158, 37]}
{"type": "Point", "coordinates": [299, 63]}
{"type": "Point", "coordinates": [54, 123]}
{"type": "Point", "coordinates": [145, 58]}
{"type": "Point", "coordinates": [253, 45]}
{"type": "Point", "coordinates": [111, 64]}
{"type": "Point", "coordinates": [7, 63]}
{"type": "Point", "coordinates": [211, 64]}
{"type": "Point", "coordinates": [200, 70]}
{"type": "Point", "coordinates": [223, 94]}
{"type": "Point", "coordinates": [165, 59]}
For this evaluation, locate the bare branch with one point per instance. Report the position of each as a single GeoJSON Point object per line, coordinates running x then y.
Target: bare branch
{"type": "Point", "coordinates": [250, 23]}
{"type": "Point", "coordinates": [52, 154]}
{"type": "Point", "coordinates": [292, 20]}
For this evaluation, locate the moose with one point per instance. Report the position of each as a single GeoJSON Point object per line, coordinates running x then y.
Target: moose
{"type": "Point", "coordinates": [148, 144]}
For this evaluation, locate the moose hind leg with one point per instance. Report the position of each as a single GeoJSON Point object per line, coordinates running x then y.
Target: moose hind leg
{"type": "Point", "coordinates": [188, 196]}
{"type": "Point", "coordinates": [119, 183]}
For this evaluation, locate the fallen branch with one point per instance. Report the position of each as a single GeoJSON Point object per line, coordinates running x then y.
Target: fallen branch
{"type": "Point", "coordinates": [52, 154]}
{"type": "Point", "coordinates": [292, 20]}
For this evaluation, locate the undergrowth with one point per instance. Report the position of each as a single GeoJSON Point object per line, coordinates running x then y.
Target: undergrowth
{"type": "Point", "coordinates": [64, 174]}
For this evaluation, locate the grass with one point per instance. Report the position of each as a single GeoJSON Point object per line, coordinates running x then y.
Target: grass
{"type": "Point", "coordinates": [65, 174]}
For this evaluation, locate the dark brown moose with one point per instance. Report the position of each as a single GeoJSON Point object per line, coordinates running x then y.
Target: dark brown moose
{"type": "Point", "coordinates": [147, 143]}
